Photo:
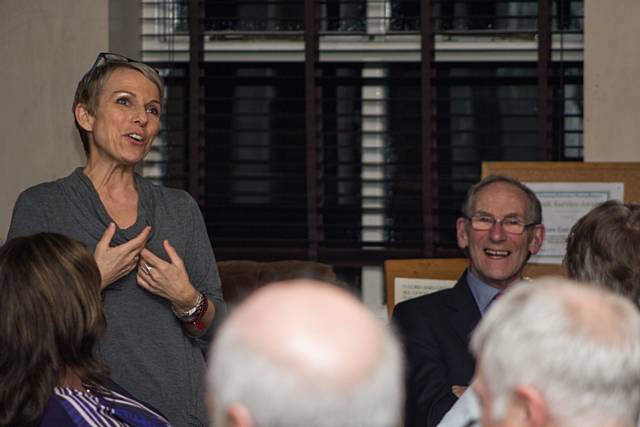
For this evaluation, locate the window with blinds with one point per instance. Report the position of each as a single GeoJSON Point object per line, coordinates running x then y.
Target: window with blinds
{"type": "Point", "coordinates": [348, 132]}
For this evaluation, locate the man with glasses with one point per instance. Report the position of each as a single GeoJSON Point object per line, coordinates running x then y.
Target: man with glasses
{"type": "Point", "coordinates": [501, 227]}
{"type": "Point", "coordinates": [602, 248]}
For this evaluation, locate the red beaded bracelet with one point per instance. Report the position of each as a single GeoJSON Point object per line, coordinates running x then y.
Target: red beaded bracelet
{"type": "Point", "coordinates": [195, 314]}
{"type": "Point", "coordinates": [202, 309]}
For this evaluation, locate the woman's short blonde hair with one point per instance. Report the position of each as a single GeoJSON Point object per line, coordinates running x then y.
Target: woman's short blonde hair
{"type": "Point", "coordinates": [90, 88]}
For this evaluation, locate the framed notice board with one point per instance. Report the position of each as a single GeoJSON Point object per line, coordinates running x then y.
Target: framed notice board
{"type": "Point", "coordinates": [567, 191]}
{"type": "Point", "coordinates": [627, 173]}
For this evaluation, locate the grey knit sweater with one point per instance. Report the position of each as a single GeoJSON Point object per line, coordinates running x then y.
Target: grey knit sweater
{"type": "Point", "coordinates": [145, 347]}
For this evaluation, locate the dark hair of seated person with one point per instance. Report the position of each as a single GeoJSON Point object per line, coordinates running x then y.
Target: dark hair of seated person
{"type": "Point", "coordinates": [51, 319]}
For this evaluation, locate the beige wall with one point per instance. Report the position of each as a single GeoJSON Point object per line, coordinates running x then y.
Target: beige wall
{"type": "Point", "coordinates": [611, 84]}
{"type": "Point", "coordinates": [124, 28]}
{"type": "Point", "coordinates": [46, 46]}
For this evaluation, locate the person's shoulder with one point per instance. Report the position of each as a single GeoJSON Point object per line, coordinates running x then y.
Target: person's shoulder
{"type": "Point", "coordinates": [433, 298]}
{"type": "Point", "coordinates": [426, 305]}
{"type": "Point", "coordinates": [54, 414]}
{"type": "Point", "coordinates": [41, 193]}
{"type": "Point", "coordinates": [173, 196]}
{"type": "Point", "coordinates": [114, 387]}
{"type": "Point", "coordinates": [42, 190]}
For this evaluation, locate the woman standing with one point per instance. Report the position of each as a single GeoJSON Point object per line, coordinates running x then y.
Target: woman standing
{"type": "Point", "coordinates": [160, 283]}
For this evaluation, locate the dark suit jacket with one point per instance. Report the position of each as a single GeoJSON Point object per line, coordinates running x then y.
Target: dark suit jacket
{"type": "Point", "coordinates": [435, 330]}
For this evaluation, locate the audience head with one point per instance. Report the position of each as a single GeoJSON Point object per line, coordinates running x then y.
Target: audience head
{"type": "Point", "coordinates": [305, 353]}
{"type": "Point", "coordinates": [499, 250]}
{"type": "Point", "coordinates": [603, 247]}
{"type": "Point", "coordinates": [51, 318]}
{"type": "Point", "coordinates": [90, 87]}
{"type": "Point", "coordinates": [558, 353]}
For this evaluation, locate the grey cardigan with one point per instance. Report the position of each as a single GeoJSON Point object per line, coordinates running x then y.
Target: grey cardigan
{"type": "Point", "coordinates": [144, 346]}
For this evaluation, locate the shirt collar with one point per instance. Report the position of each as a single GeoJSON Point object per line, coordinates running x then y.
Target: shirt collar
{"type": "Point", "coordinates": [482, 293]}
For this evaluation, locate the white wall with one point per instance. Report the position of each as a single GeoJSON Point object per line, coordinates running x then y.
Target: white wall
{"type": "Point", "coordinates": [45, 46]}
{"type": "Point", "coordinates": [611, 76]}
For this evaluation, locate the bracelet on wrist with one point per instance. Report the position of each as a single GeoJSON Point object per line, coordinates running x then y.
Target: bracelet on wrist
{"type": "Point", "coordinates": [202, 309]}
{"type": "Point", "coordinates": [191, 314]}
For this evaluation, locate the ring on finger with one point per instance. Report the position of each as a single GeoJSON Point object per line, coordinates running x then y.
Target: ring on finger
{"type": "Point", "coordinates": [146, 267]}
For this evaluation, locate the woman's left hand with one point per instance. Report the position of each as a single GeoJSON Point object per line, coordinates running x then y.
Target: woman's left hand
{"type": "Point", "coordinates": [168, 280]}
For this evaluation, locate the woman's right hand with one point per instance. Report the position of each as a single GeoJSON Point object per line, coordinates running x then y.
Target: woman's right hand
{"type": "Point", "coordinates": [115, 262]}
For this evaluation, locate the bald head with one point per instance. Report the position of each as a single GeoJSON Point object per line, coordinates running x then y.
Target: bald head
{"type": "Point", "coordinates": [604, 323]}
{"type": "Point", "coordinates": [320, 359]}
{"type": "Point", "coordinates": [317, 329]}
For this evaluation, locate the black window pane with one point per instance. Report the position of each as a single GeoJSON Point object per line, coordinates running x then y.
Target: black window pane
{"type": "Point", "coordinates": [254, 154]}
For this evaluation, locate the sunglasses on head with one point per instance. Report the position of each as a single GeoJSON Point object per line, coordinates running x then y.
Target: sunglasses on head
{"type": "Point", "coordinates": [114, 58]}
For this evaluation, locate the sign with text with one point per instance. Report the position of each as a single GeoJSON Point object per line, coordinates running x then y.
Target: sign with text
{"type": "Point", "coordinates": [406, 288]}
{"type": "Point", "coordinates": [563, 203]}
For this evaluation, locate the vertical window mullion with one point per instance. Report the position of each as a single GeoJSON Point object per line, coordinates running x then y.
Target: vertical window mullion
{"type": "Point", "coordinates": [195, 64]}
{"type": "Point", "coordinates": [427, 122]}
{"type": "Point", "coordinates": [311, 58]}
{"type": "Point", "coordinates": [544, 88]}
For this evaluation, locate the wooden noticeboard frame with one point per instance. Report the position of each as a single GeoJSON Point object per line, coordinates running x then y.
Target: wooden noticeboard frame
{"type": "Point", "coordinates": [625, 172]}
{"type": "Point", "coordinates": [444, 269]}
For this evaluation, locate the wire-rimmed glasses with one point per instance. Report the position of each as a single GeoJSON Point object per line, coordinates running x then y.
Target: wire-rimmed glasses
{"type": "Point", "coordinates": [512, 225]}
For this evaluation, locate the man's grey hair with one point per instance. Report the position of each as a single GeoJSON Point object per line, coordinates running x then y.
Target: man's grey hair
{"type": "Point", "coordinates": [603, 247]}
{"type": "Point", "coordinates": [279, 395]}
{"type": "Point", "coordinates": [578, 345]}
{"type": "Point", "coordinates": [535, 207]}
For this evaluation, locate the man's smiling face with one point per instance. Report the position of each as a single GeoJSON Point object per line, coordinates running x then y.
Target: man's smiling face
{"type": "Point", "coordinates": [498, 257]}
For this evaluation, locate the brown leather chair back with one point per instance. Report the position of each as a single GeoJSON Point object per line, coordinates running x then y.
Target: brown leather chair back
{"type": "Point", "coordinates": [239, 278]}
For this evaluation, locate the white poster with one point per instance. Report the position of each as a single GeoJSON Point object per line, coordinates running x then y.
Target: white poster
{"type": "Point", "coordinates": [406, 288]}
{"type": "Point", "coordinates": [563, 203]}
